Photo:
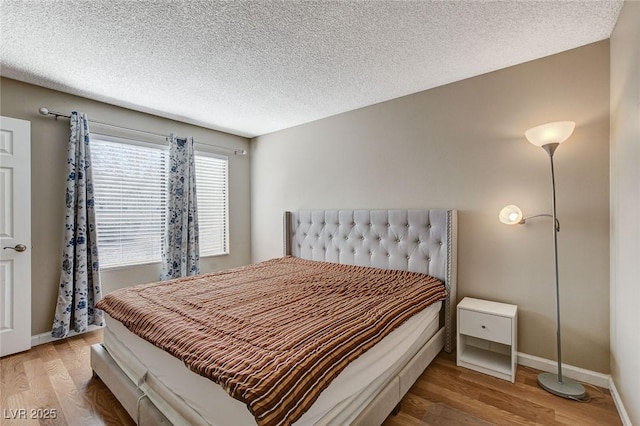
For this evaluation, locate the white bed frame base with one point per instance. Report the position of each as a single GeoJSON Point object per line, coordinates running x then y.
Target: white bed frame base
{"type": "Point", "coordinates": [437, 231]}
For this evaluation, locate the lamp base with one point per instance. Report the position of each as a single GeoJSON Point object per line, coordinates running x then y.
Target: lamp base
{"type": "Point", "coordinates": [566, 389]}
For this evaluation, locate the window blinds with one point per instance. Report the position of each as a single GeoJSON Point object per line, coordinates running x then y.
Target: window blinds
{"type": "Point", "coordinates": [130, 182]}
{"type": "Point", "coordinates": [211, 190]}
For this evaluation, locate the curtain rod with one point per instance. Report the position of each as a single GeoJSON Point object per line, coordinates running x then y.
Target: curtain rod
{"type": "Point", "coordinates": [45, 111]}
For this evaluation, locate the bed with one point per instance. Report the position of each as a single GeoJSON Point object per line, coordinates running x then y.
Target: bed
{"type": "Point", "coordinates": [157, 388]}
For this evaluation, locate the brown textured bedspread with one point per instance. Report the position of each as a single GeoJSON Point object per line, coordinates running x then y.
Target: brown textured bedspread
{"type": "Point", "coordinates": [276, 333]}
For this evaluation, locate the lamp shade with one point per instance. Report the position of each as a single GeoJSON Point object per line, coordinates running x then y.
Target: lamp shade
{"type": "Point", "coordinates": [556, 132]}
{"type": "Point", "coordinates": [510, 215]}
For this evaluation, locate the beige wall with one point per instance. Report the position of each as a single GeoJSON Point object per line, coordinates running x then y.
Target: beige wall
{"type": "Point", "coordinates": [48, 150]}
{"type": "Point", "coordinates": [462, 146]}
{"type": "Point", "coordinates": [625, 208]}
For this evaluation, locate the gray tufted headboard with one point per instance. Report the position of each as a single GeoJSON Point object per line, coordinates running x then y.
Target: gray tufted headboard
{"type": "Point", "coordinates": [408, 240]}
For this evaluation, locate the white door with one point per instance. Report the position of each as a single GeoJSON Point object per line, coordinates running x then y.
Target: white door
{"type": "Point", "coordinates": [15, 235]}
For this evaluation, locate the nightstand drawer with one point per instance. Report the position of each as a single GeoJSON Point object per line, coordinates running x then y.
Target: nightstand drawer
{"type": "Point", "coordinates": [485, 326]}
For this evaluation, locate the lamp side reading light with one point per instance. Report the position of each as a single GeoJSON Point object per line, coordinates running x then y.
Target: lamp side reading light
{"type": "Point", "coordinates": [511, 215]}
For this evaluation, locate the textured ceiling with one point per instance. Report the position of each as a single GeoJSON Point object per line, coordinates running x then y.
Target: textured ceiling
{"type": "Point", "coordinates": [254, 67]}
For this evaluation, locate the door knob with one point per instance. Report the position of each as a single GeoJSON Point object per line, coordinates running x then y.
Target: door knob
{"type": "Point", "coordinates": [18, 248]}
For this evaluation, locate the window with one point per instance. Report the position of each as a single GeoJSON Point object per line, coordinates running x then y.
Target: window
{"type": "Point", "coordinates": [211, 187]}
{"type": "Point", "coordinates": [130, 180]}
{"type": "Point", "coordinates": [130, 201]}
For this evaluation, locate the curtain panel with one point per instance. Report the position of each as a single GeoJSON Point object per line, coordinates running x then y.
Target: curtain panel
{"type": "Point", "coordinates": [79, 287]}
{"type": "Point", "coordinates": [181, 251]}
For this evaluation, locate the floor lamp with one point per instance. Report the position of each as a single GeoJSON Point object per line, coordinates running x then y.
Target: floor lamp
{"type": "Point", "coordinates": [549, 136]}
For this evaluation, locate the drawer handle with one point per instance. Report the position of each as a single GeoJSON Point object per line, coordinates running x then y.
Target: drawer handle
{"type": "Point", "coordinates": [484, 326]}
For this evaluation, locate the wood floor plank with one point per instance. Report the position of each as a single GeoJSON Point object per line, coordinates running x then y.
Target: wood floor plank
{"type": "Point", "coordinates": [75, 365]}
{"type": "Point", "coordinates": [16, 410]}
{"type": "Point", "coordinates": [91, 338]}
{"type": "Point", "coordinates": [105, 405]}
{"type": "Point", "coordinates": [46, 352]}
{"type": "Point", "coordinates": [39, 383]}
{"type": "Point", "coordinates": [73, 404]}
{"type": "Point", "coordinates": [403, 419]}
{"type": "Point", "coordinates": [415, 406]}
{"type": "Point", "coordinates": [538, 414]}
{"type": "Point", "coordinates": [13, 378]}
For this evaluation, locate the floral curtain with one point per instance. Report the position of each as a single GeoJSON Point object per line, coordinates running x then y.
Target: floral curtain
{"type": "Point", "coordinates": [79, 288]}
{"type": "Point", "coordinates": [180, 255]}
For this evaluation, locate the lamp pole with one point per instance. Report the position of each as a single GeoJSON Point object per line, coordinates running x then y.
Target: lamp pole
{"type": "Point", "coordinates": [550, 149]}
{"type": "Point", "coordinates": [557, 385]}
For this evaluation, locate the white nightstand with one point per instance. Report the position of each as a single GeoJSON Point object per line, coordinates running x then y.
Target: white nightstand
{"type": "Point", "coordinates": [487, 337]}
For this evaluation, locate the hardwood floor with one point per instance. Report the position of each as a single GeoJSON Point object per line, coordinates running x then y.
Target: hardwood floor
{"type": "Point", "coordinates": [449, 395]}
{"type": "Point", "coordinates": [57, 378]}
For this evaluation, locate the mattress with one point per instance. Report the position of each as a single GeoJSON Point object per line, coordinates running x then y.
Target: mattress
{"type": "Point", "coordinates": [186, 397]}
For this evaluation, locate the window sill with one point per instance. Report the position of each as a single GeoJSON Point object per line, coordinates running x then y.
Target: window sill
{"type": "Point", "coordinates": [214, 255]}
{"type": "Point", "coordinates": [133, 265]}
{"type": "Point", "coordinates": [136, 265]}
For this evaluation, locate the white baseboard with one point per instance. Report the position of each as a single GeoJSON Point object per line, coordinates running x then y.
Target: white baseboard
{"type": "Point", "coordinates": [575, 373]}
{"type": "Point", "coordinates": [626, 421]}
{"type": "Point", "coordinates": [42, 338]}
